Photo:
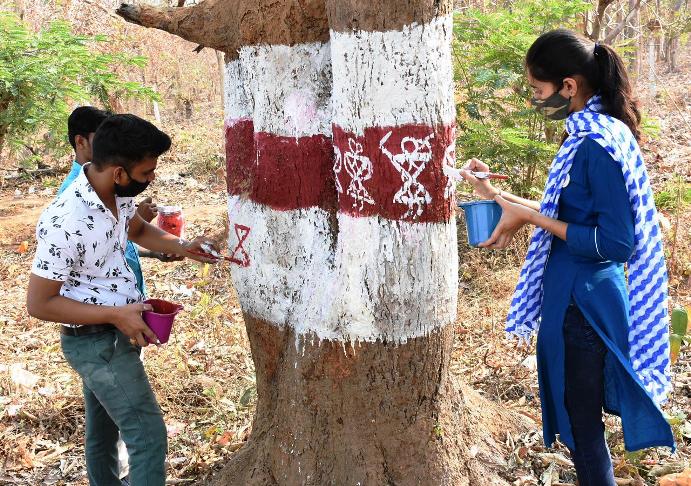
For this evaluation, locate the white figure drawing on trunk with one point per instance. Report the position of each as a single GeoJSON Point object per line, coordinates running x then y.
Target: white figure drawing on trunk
{"type": "Point", "coordinates": [414, 156]}
{"type": "Point", "coordinates": [359, 168]}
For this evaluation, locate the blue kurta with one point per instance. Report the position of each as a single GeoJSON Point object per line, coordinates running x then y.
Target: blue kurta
{"type": "Point", "coordinates": [131, 251]}
{"type": "Point", "coordinates": [588, 269]}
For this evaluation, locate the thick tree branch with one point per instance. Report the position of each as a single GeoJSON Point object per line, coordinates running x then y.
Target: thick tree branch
{"type": "Point", "coordinates": [228, 25]}
{"type": "Point", "coordinates": [190, 23]}
{"type": "Point", "coordinates": [617, 30]}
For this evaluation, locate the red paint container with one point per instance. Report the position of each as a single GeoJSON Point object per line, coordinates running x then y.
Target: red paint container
{"type": "Point", "coordinates": [170, 219]}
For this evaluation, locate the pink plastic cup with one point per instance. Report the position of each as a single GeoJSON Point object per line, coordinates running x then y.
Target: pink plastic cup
{"type": "Point", "coordinates": [160, 320]}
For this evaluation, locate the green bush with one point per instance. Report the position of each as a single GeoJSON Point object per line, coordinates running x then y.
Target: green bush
{"type": "Point", "coordinates": [494, 118]}
{"type": "Point", "coordinates": [674, 195]}
{"type": "Point", "coordinates": [44, 74]}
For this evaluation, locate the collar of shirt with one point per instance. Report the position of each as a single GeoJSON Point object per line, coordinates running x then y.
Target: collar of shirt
{"type": "Point", "coordinates": [74, 173]}
{"type": "Point", "coordinates": [86, 193]}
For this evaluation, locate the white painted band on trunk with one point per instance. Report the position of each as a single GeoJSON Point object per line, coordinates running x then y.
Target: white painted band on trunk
{"type": "Point", "coordinates": [236, 103]}
{"type": "Point", "coordinates": [396, 280]}
{"type": "Point", "coordinates": [390, 280]}
{"type": "Point", "coordinates": [286, 90]}
{"type": "Point", "coordinates": [393, 78]}
{"type": "Point", "coordinates": [290, 263]}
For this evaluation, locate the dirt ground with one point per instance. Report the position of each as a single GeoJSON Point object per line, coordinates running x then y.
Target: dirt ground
{"type": "Point", "coordinates": [204, 377]}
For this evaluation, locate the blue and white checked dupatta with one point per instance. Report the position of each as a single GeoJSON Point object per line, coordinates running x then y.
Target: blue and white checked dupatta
{"type": "Point", "coordinates": [647, 273]}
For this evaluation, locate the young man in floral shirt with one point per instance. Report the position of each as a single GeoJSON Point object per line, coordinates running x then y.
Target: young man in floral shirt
{"type": "Point", "coordinates": [81, 128]}
{"type": "Point", "coordinates": [80, 278]}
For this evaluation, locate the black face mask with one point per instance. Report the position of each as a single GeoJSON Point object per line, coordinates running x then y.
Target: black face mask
{"type": "Point", "coordinates": [554, 107]}
{"type": "Point", "coordinates": [134, 188]}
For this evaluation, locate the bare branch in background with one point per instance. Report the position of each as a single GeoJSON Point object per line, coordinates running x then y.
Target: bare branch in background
{"type": "Point", "coordinates": [617, 30]}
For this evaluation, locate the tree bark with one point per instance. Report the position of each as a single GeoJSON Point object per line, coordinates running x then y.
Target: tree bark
{"type": "Point", "coordinates": [343, 239]}
{"type": "Point", "coordinates": [221, 74]}
{"type": "Point", "coordinates": [227, 25]}
{"type": "Point", "coordinates": [372, 413]}
{"type": "Point", "coordinates": [599, 18]}
{"type": "Point", "coordinates": [672, 39]}
{"type": "Point", "coordinates": [4, 104]}
{"type": "Point", "coordinates": [633, 31]}
{"type": "Point", "coordinates": [3, 132]}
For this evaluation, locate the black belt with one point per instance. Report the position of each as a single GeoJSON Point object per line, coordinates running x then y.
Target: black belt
{"type": "Point", "coordinates": [84, 330]}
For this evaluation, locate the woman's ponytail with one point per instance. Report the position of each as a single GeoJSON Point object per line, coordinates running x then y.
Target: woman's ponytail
{"type": "Point", "coordinates": [615, 88]}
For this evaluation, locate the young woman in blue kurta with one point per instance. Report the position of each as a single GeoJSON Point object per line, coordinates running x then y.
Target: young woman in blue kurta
{"type": "Point", "coordinates": [584, 364]}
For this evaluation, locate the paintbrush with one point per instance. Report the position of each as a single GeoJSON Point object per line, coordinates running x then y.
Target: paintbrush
{"type": "Point", "coordinates": [490, 175]}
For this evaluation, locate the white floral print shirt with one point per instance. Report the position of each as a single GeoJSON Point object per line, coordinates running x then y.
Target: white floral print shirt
{"type": "Point", "coordinates": [81, 243]}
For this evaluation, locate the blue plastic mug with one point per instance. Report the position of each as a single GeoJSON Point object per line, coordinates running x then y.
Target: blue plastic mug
{"type": "Point", "coordinates": [481, 217]}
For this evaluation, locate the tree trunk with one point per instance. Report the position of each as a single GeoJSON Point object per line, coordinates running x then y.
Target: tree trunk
{"type": "Point", "coordinates": [221, 74]}
{"type": "Point", "coordinates": [672, 38]}
{"type": "Point", "coordinates": [4, 104]}
{"type": "Point", "coordinates": [672, 48]}
{"type": "Point", "coordinates": [343, 236]}
{"type": "Point", "coordinates": [652, 81]}
{"type": "Point", "coordinates": [633, 31]}
{"type": "Point", "coordinates": [3, 132]}
{"type": "Point", "coordinates": [599, 18]}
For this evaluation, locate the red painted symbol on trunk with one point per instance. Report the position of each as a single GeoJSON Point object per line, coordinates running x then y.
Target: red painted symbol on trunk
{"type": "Point", "coordinates": [240, 256]}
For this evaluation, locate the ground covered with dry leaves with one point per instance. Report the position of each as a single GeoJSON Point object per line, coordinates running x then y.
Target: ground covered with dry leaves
{"type": "Point", "coordinates": [204, 377]}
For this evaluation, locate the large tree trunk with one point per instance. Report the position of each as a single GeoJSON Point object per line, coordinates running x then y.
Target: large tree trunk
{"type": "Point", "coordinates": [632, 32]}
{"type": "Point", "coordinates": [338, 126]}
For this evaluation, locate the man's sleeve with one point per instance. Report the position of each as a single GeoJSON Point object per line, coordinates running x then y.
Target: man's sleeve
{"type": "Point", "coordinates": [55, 250]}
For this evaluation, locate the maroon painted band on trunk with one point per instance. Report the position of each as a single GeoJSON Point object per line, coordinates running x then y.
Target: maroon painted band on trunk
{"type": "Point", "coordinates": [395, 173]}
{"type": "Point", "coordinates": [280, 172]}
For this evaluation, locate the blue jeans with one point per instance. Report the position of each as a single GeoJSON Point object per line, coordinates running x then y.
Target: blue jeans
{"type": "Point", "coordinates": [584, 396]}
{"type": "Point", "coordinates": [117, 397]}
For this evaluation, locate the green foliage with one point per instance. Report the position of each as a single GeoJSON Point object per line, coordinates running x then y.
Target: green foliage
{"type": "Point", "coordinates": [438, 431]}
{"type": "Point", "coordinates": [678, 23]}
{"type": "Point", "coordinates": [675, 195]}
{"type": "Point", "coordinates": [495, 120]}
{"type": "Point", "coordinates": [43, 74]}
{"type": "Point", "coordinates": [650, 126]}
{"type": "Point", "coordinates": [680, 321]}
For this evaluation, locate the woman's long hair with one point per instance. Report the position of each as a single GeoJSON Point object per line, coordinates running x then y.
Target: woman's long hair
{"type": "Point", "coordinates": [561, 53]}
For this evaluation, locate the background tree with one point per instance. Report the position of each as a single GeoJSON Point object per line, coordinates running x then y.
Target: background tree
{"type": "Point", "coordinates": [44, 74]}
{"type": "Point", "coordinates": [495, 121]}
